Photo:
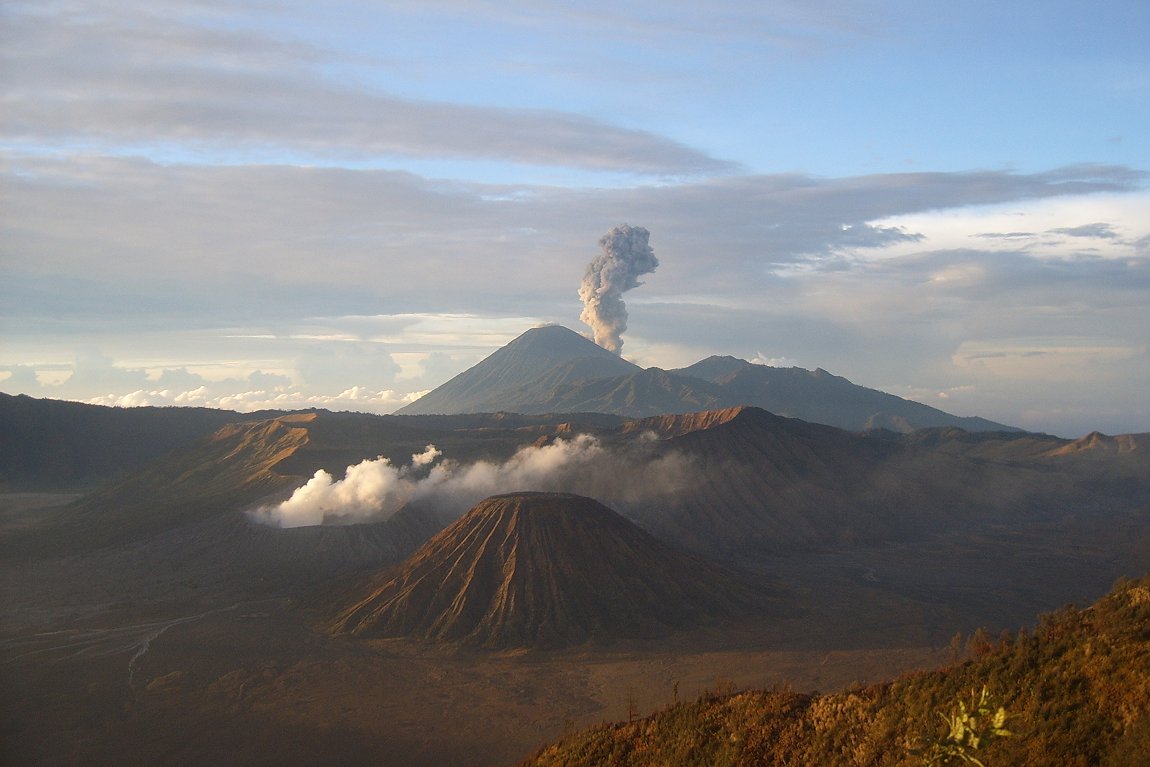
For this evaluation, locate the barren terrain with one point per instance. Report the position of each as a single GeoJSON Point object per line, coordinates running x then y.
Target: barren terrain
{"type": "Point", "coordinates": [112, 657]}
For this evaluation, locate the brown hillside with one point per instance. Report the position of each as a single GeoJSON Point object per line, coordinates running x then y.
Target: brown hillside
{"type": "Point", "coordinates": [1097, 443]}
{"type": "Point", "coordinates": [675, 425]}
{"type": "Point", "coordinates": [545, 570]}
{"type": "Point", "coordinates": [1076, 693]}
{"type": "Point", "coordinates": [762, 480]}
{"type": "Point", "coordinates": [236, 466]}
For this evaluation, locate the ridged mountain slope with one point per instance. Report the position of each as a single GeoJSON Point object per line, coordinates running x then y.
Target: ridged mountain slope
{"type": "Point", "coordinates": [545, 570]}
{"type": "Point", "coordinates": [234, 467]}
{"type": "Point", "coordinates": [763, 481]}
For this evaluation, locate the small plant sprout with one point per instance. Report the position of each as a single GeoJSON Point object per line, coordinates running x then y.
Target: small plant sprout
{"type": "Point", "coordinates": [969, 728]}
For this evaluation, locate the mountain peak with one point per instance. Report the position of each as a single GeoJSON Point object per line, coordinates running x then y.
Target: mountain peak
{"type": "Point", "coordinates": [547, 570]}
{"type": "Point", "coordinates": [542, 357]}
{"type": "Point", "coordinates": [1097, 443]}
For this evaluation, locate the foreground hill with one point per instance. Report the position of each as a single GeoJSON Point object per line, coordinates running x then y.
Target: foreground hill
{"type": "Point", "coordinates": [545, 569]}
{"type": "Point", "coordinates": [555, 370]}
{"type": "Point", "coordinates": [1076, 691]}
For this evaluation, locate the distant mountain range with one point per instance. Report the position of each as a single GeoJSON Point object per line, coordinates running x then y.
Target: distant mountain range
{"type": "Point", "coordinates": [555, 370]}
{"type": "Point", "coordinates": [716, 482]}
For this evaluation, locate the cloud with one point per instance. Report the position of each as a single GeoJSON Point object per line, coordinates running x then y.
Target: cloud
{"type": "Point", "coordinates": [134, 77]}
{"type": "Point", "coordinates": [1006, 235]}
{"type": "Point", "coordinates": [786, 27]}
{"type": "Point", "coordinates": [244, 262]}
{"type": "Point", "coordinates": [370, 489]}
{"type": "Point", "coordinates": [234, 396]}
{"type": "Point", "coordinates": [250, 234]}
{"type": "Point", "coordinates": [1100, 230]}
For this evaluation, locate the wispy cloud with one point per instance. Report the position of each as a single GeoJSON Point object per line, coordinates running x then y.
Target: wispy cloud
{"type": "Point", "coordinates": [1099, 230]}
{"type": "Point", "coordinates": [114, 77]}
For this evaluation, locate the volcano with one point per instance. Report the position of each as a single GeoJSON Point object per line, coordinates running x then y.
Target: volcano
{"type": "Point", "coordinates": [555, 370]}
{"type": "Point", "coordinates": [546, 570]}
{"type": "Point", "coordinates": [517, 376]}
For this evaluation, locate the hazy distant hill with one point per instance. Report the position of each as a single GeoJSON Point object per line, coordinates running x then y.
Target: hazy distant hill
{"type": "Point", "coordinates": [224, 472]}
{"type": "Point", "coordinates": [761, 481]}
{"type": "Point", "coordinates": [821, 397]}
{"type": "Point", "coordinates": [232, 468]}
{"type": "Point", "coordinates": [738, 479]}
{"type": "Point", "coordinates": [546, 569]}
{"type": "Point", "coordinates": [52, 444]}
{"type": "Point", "coordinates": [1076, 693]}
{"type": "Point", "coordinates": [555, 370]}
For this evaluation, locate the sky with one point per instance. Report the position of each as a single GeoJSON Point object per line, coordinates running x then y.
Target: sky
{"type": "Point", "coordinates": [250, 204]}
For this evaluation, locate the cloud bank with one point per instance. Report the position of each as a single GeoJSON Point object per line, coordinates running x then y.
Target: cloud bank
{"type": "Point", "coordinates": [140, 76]}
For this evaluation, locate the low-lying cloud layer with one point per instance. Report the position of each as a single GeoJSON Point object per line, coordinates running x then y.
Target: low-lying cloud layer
{"type": "Point", "coordinates": [375, 489]}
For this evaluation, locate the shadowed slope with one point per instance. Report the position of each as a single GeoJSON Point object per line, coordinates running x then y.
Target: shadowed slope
{"type": "Point", "coordinates": [52, 444]}
{"type": "Point", "coordinates": [545, 569]}
{"type": "Point", "coordinates": [763, 481]}
{"type": "Point", "coordinates": [821, 397]}
{"type": "Point", "coordinates": [236, 466]}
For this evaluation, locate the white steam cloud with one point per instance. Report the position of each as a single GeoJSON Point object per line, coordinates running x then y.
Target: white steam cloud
{"type": "Point", "coordinates": [625, 257]}
{"type": "Point", "coordinates": [375, 489]}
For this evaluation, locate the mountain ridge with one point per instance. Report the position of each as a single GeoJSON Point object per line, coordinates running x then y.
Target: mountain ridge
{"type": "Point", "coordinates": [555, 370]}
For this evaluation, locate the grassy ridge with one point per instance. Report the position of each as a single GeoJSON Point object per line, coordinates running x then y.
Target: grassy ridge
{"type": "Point", "coordinates": [1077, 691]}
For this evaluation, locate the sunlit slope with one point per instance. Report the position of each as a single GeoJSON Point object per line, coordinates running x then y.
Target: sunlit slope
{"type": "Point", "coordinates": [236, 466]}
{"type": "Point", "coordinates": [545, 570]}
{"type": "Point", "coordinates": [1076, 691]}
{"type": "Point", "coordinates": [512, 378]}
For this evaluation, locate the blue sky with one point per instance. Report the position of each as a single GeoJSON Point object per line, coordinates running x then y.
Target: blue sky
{"type": "Point", "coordinates": [249, 204]}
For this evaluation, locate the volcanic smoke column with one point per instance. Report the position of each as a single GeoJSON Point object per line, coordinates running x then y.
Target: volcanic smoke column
{"type": "Point", "coordinates": [626, 256]}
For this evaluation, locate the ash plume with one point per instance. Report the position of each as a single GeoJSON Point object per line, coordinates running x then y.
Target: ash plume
{"type": "Point", "coordinates": [625, 257]}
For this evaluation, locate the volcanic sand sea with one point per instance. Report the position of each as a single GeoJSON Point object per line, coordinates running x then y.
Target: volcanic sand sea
{"type": "Point", "coordinates": [105, 663]}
